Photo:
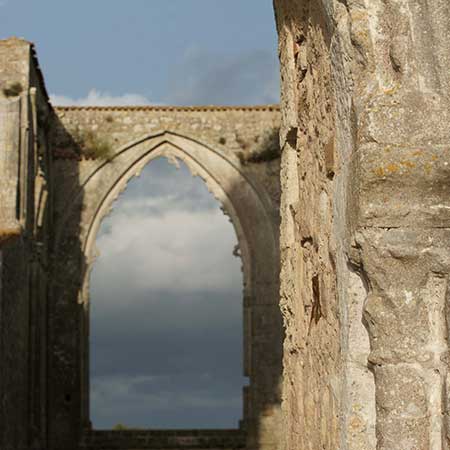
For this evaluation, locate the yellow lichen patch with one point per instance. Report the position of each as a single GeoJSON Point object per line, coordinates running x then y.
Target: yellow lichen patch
{"type": "Point", "coordinates": [379, 171]}
{"type": "Point", "coordinates": [359, 15]}
{"type": "Point", "coordinates": [392, 168]}
{"type": "Point", "coordinates": [408, 164]}
{"type": "Point", "coordinates": [361, 35]}
{"type": "Point", "coordinates": [357, 407]}
{"type": "Point", "coordinates": [392, 90]}
{"type": "Point", "coordinates": [428, 168]}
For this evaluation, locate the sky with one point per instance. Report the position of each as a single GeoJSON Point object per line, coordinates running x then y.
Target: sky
{"type": "Point", "coordinates": [166, 308]}
{"type": "Point", "coordinates": [166, 291]}
{"type": "Point", "coordinates": [151, 51]}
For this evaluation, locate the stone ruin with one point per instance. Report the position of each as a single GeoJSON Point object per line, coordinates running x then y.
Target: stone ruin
{"type": "Point", "coordinates": [61, 170]}
{"type": "Point", "coordinates": [340, 202]}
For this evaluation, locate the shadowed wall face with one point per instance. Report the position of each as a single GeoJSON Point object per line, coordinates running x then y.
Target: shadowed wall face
{"type": "Point", "coordinates": [24, 246]}
{"type": "Point", "coordinates": [166, 308]}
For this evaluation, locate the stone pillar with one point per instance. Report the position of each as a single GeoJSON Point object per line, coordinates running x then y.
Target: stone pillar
{"type": "Point", "coordinates": [401, 178]}
{"type": "Point", "coordinates": [405, 313]}
{"type": "Point", "coordinates": [375, 74]}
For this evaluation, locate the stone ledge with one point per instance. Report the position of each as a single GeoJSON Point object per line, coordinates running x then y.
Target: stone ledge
{"type": "Point", "coordinates": [205, 108]}
{"type": "Point", "coordinates": [164, 439]}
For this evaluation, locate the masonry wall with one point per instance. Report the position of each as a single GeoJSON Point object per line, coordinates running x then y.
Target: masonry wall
{"type": "Point", "coordinates": [312, 230]}
{"type": "Point", "coordinates": [236, 152]}
{"type": "Point", "coordinates": [364, 137]}
{"type": "Point", "coordinates": [165, 440]}
{"type": "Point", "coordinates": [56, 189]}
{"type": "Point", "coordinates": [23, 103]}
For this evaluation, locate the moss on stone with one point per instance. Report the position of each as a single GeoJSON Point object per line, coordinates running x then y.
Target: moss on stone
{"type": "Point", "coordinates": [13, 90]}
{"type": "Point", "coordinates": [92, 146]}
{"type": "Point", "coordinates": [268, 149]}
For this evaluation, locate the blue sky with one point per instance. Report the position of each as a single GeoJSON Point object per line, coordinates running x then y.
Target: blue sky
{"type": "Point", "coordinates": [166, 51]}
{"type": "Point", "coordinates": [187, 373]}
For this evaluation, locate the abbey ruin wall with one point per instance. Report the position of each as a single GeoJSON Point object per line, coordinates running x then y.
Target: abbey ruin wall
{"type": "Point", "coordinates": [25, 235]}
{"type": "Point", "coordinates": [235, 150]}
{"type": "Point", "coordinates": [249, 135]}
{"type": "Point", "coordinates": [62, 170]}
{"type": "Point", "coordinates": [365, 271]}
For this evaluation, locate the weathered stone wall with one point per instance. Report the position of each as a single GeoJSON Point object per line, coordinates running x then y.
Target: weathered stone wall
{"type": "Point", "coordinates": [365, 182]}
{"type": "Point", "coordinates": [24, 111]}
{"type": "Point", "coordinates": [236, 152]}
{"type": "Point", "coordinates": [312, 229]}
{"type": "Point", "coordinates": [165, 440]}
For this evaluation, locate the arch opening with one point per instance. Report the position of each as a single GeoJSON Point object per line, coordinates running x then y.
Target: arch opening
{"type": "Point", "coordinates": [251, 211]}
{"type": "Point", "coordinates": [166, 302]}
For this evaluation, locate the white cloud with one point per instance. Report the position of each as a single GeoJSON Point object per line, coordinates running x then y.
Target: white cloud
{"type": "Point", "coordinates": [177, 251]}
{"type": "Point", "coordinates": [166, 233]}
{"type": "Point", "coordinates": [98, 98]}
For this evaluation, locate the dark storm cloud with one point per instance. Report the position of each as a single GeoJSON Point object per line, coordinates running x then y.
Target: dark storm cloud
{"type": "Point", "coordinates": [169, 336]}
{"type": "Point", "coordinates": [245, 78]}
{"type": "Point", "coordinates": [177, 401]}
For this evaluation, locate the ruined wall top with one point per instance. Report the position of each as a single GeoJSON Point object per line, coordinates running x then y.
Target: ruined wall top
{"type": "Point", "coordinates": [24, 109]}
{"type": "Point", "coordinates": [19, 66]}
{"type": "Point", "coordinates": [249, 132]}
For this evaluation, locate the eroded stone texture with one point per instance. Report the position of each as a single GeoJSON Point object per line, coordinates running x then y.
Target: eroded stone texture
{"type": "Point", "coordinates": [312, 230]}
{"type": "Point", "coordinates": [373, 77]}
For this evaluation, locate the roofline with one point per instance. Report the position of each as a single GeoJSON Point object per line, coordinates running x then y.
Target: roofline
{"type": "Point", "coordinates": [39, 73]}
{"type": "Point", "coordinates": [204, 108]}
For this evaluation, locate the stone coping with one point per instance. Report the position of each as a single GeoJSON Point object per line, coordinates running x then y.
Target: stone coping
{"type": "Point", "coordinates": [204, 108]}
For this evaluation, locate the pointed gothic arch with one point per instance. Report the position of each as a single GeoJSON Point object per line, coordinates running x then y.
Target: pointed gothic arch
{"type": "Point", "coordinates": [252, 214]}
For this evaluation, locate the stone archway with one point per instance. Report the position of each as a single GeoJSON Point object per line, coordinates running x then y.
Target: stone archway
{"type": "Point", "coordinates": [250, 210]}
